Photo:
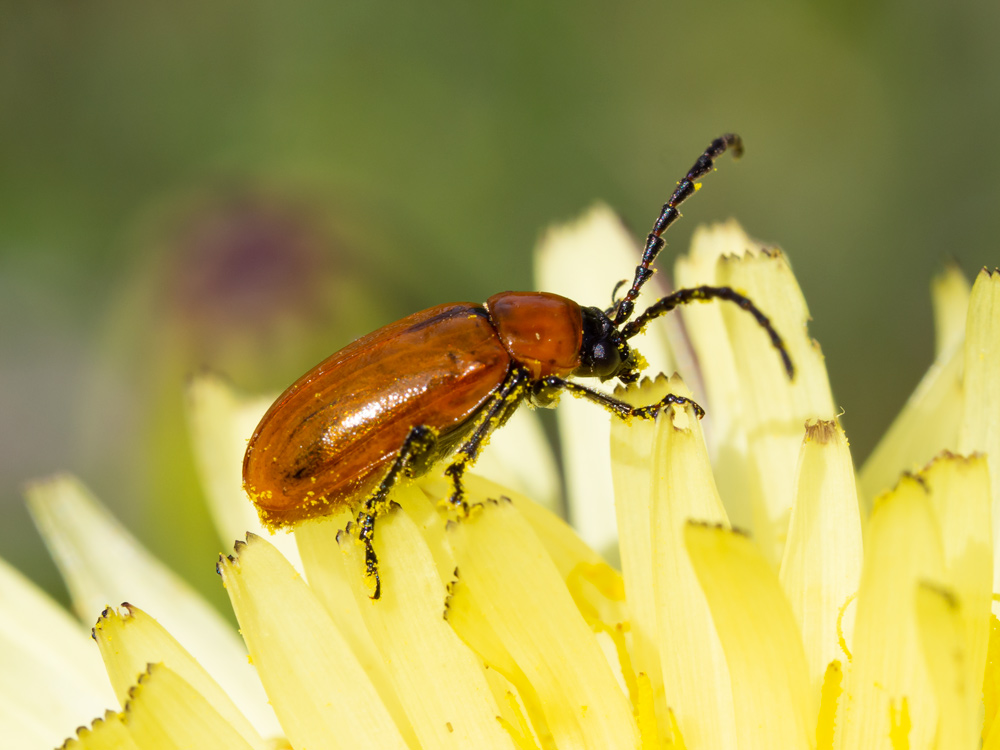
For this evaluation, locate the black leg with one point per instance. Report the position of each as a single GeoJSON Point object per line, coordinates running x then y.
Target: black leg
{"type": "Point", "coordinates": [616, 407]}
{"type": "Point", "coordinates": [670, 213]}
{"type": "Point", "coordinates": [508, 396]}
{"type": "Point", "coordinates": [417, 444]}
{"type": "Point", "coordinates": [704, 294]}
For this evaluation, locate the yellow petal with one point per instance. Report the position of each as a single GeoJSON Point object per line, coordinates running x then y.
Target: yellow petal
{"type": "Point", "coordinates": [929, 423]}
{"type": "Point", "coordinates": [318, 689]}
{"type": "Point", "coordinates": [991, 689]}
{"type": "Point", "coordinates": [51, 675]}
{"type": "Point", "coordinates": [902, 549]}
{"type": "Point", "coordinates": [569, 554]}
{"type": "Point", "coordinates": [596, 587]}
{"type": "Point", "coordinates": [941, 626]}
{"type": "Point", "coordinates": [829, 705]}
{"type": "Point", "coordinates": [771, 695]}
{"type": "Point", "coordinates": [106, 733]}
{"type": "Point", "coordinates": [992, 740]}
{"type": "Point", "coordinates": [437, 677]}
{"type": "Point", "coordinates": [631, 464]}
{"type": "Point", "coordinates": [583, 435]}
{"type": "Point", "coordinates": [471, 625]}
{"type": "Point", "coordinates": [130, 642]}
{"type": "Point", "coordinates": [931, 420]}
{"type": "Point", "coordinates": [567, 550]}
{"type": "Point", "coordinates": [583, 260]}
{"type": "Point", "coordinates": [950, 296]}
{"type": "Point", "coordinates": [329, 579]}
{"type": "Point", "coordinates": [539, 625]}
{"type": "Point", "coordinates": [991, 684]}
{"type": "Point", "coordinates": [165, 713]}
{"type": "Point", "coordinates": [221, 423]}
{"type": "Point", "coordinates": [775, 407]}
{"type": "Point", "coordinates": [981, 423]}
{"type": "Point", "coordinates": [719, 379]}
{"type": "Point", "coordinates": [761, 411]}
{"type": "Point", "coordinates": [679, 487]}
{"type": "Point", "coordinates": [102, 563]}
{"type": "Point", "coordinates": [959, 492]}
{"type": "Point", "coordinates": [821, 566]}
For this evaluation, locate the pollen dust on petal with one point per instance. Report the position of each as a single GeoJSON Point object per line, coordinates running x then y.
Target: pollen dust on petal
{"type": "Point", "coordinates": [899, 721]}
{"type": "Point", "coordinates": [830, 693]}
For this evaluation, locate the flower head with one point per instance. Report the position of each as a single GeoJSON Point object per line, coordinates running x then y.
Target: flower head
{"type": "Point", "coordinates": [760, 603]}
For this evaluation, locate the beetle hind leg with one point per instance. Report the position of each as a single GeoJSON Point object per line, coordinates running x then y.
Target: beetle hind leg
{"type": "Point", "coordinates": [419, 443]}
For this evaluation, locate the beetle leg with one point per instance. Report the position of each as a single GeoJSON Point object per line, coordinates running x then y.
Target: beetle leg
{"type": "Point", "coordinates": [418, 443]}
{"type": "Point", "coordinates": [507, 397]}
{"type": "Point", "coordinates": [703, 294]}
{"type": "Point", "coordinates": [615, 406]}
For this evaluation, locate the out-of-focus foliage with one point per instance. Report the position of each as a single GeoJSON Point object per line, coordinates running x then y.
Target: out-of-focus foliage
{"type": "Point", "coordinates": [248, 185]}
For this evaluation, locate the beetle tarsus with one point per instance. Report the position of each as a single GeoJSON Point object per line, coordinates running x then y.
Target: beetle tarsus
{"type": "Point", "coordinates": [456, 501]}
{"type": "Point", "coordinates": [371, 568]}
{"type": "Point", "coordinates": [650, 412]}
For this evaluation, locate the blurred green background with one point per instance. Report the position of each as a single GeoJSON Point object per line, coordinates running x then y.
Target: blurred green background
{"type": "Point", "coordinates": [247, 185]}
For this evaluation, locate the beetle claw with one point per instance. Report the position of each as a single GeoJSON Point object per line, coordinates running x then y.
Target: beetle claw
{"type": "Point", "coordinates": [458, 503]}
{"type": "Point", "coordinates": [371, 570]}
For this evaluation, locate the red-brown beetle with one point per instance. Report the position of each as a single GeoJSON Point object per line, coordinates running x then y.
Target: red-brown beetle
{"type": "Point", "coordinates": [438, 382]}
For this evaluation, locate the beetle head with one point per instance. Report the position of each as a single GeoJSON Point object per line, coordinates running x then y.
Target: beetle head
{"type": "Point", "coordinates": [604, 352]}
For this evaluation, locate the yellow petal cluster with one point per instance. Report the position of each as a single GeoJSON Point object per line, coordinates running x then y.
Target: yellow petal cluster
{"type": "Point", "coordinates": [766, 597]}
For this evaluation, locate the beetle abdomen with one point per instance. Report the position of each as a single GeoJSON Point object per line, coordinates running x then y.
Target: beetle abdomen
{"type": "Point", "coordinates": [330, 438]}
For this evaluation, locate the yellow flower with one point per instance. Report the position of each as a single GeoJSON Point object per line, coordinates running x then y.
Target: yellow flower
{"type": "Point", "coordinates": [843, 615]}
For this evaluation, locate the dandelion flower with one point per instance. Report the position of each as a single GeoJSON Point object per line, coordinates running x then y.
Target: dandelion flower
{"type": "Point", "coordinates": [767, 598]}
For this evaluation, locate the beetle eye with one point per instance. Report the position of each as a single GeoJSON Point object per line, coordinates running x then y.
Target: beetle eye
{"type": "Point", "coordinates": [604, 359]}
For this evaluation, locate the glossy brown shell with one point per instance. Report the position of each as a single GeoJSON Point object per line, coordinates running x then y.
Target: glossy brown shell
{"type": "Point", "coordinates": [543, 332]}
{"type": "Point", "coordinates": [330, 438]}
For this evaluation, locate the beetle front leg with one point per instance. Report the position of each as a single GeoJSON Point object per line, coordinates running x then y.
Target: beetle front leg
{"type": "Point", "coordinates": [614, 405]}
{"type": "Point", "coordinates": [418, 443]}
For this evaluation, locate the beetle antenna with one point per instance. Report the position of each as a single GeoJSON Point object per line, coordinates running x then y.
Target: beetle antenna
{"type": "Point", "coordinates": [614, 293]}
{"type": "Point", "coordinates": [703, 294]}
{"type": "Point", "coordinates": [669, 214]}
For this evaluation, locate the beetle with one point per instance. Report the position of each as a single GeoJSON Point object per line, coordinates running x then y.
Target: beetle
{"type": "Point", "coordinates": [396, 402]}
